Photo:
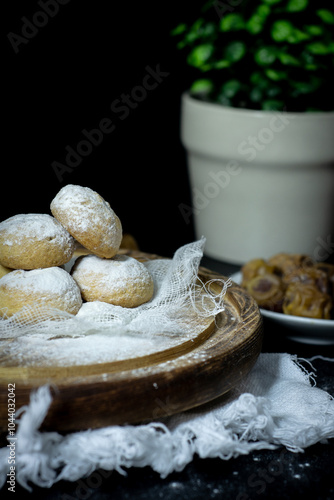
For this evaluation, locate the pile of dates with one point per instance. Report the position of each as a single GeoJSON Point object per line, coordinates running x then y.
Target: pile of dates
{"type": "Point", "coordinates": [291, 284]}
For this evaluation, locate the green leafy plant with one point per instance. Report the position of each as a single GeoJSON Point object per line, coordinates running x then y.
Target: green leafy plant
{"type": "Point", "coordinates": [262, 54]}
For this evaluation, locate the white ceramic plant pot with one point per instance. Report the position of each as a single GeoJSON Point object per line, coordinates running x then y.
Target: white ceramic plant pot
{"type": "Point", "coordinates": [262, 182]}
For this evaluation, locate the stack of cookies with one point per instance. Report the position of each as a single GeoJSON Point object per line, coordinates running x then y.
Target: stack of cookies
{"type": "Point", "coordinates": [35, 247]}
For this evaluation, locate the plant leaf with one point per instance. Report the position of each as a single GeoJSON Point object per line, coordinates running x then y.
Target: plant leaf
{"type": "Point", "coordinates": [202, 86]}
{"type": "Point", "coordinates": [273, 90]}
{"type": "Point", "coordinates": [235, 51]}
{"type": "Point", "coordinates": [318, 48]}
{"type": "Point", "coordinates": [232, 22]}
{"type": "Point", "coordinates": [306, 87]}
{"type": "Point", "coordinates": [265, 56]}
{"type": "Point", "coordinates": [223, 63]}
{"type": "Point", "coordinates": [256, 94]}
{"type": "Point", "coordinates": [255, 24]}
{"type": "Point", "coordinates": [281, 30]}
{"type": "Point", "coordinates": [296, 5]}
{"type": "Point", "coordinates": [272, 105]}
{"type": "Point", "coordinates": [259, 79]}
{"type": "Point", "coordinates": [257, 21]}
{"type": "Point", "coordinates": [314, 29]}
{"type": "Point", "coordinates": [288, 59]}
{"type": "Point", "coordinates": [326, 16]}
{"type": "Point", "coordinates": [271, 2]}
{"type": "Point", "coordinates": [200, 54]}
{"type": "Point", "coordinates": [231, 87]}
{"type": "Point", "coordinates": [178, 30]}
{"type": "Point", "coordinates": [297, 36]}
{"type": "Point", "coordinates": [276, 75]}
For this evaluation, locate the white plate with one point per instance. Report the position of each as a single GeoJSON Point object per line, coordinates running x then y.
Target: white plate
{"type": "Point", "coordinates": [306, 330]}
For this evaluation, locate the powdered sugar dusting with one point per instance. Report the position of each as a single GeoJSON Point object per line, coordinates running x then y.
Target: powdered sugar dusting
{"type": "Point", "coordinates": [102, 332]}
{"type": "Point", "coordinates": [119, 272]}
{"type": "Point", "coordinates": [98, 344]}
{"type": "Point", "coordinates": [50, 279]}
{"type": "Point", "coordinates": [83, 207]}
{"type": "Point", "coordinates": [47, 282]}
{"type": "Point", "coordinates": [39, 227]}
{"type": "Point", "coordinates": [44, 349]}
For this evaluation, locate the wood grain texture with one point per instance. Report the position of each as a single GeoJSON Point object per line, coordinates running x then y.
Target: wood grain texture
{"type": "Point", "coordinates": [153, 386]}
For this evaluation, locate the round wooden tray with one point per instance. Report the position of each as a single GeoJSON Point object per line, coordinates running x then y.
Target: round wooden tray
{"type": "Point", "coordinates": [149, 387]}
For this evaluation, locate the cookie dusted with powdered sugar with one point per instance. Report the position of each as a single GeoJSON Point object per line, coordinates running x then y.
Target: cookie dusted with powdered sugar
{"type": "Point", "coordinates": [89, 219]}
{"type": "Point", "coordinates": [50, 287]}
{"type": "Point", "coordinates": [122, 280]}
{"type": "Point", "coordinates": [32, 241]}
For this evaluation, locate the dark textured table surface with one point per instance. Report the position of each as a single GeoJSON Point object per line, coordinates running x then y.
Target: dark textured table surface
{"type": "Point", "coordinates": [274, 474]}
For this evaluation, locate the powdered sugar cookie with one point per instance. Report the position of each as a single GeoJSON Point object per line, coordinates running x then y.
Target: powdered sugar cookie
{"type": "Point", "coordinates": [89, 219]}
{"type": "Point", "coordinates": [32, 241]}
{"type": "Point", "coordinates": [52, 287]}
{"type": "Point", "coordinates": [122, 280]}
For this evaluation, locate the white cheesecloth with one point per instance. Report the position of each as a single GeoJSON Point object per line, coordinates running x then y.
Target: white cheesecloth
{"type": "Point", "coordinates": [276, 405]}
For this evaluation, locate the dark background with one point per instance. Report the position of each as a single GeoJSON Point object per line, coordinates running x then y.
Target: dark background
{"type": "Point", "coordinates": [64, 78]}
